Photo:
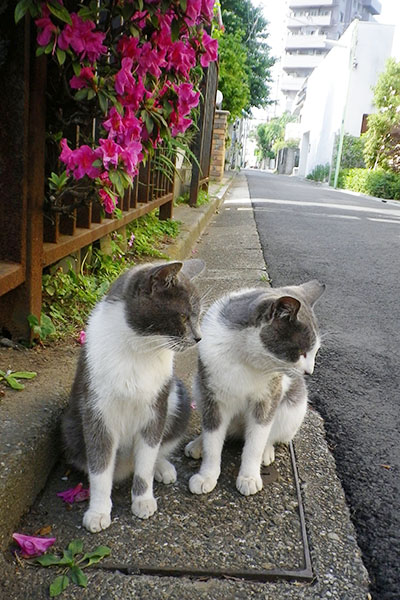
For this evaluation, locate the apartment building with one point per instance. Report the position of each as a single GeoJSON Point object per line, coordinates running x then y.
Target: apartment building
{"type": "Point", "coordinates": [310, 24]}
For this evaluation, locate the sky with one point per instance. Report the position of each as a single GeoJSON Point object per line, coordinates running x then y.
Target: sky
{"type": "Point", "coordinates": [275, 11]}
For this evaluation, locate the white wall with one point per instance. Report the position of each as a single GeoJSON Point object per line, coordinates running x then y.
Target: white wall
{"type": "Point", "coordinates": [330, 83]}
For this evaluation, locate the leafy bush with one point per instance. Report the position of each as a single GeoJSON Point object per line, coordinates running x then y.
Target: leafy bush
{"type": "Point", "coordinates": [319, 173]}
{"type": "Point", "coordinates": [352, 152]}
{"type": "Point", "coordinates": [379, 183]}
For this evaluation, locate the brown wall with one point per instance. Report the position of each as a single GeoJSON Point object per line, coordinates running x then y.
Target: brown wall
{"type": "Point", "coordinates": [217, 165]}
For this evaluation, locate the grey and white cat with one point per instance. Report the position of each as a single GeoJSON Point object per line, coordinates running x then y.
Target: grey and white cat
{"type": "Point", "coordinates": [256, 346]}
{"type": "Point", "coordinates": [127, 411]}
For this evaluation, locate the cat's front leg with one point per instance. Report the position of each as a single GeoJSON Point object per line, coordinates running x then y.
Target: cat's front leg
{"type": "Point", "coordinates": [249, 479]}
{"type": "Point", "coordinates": [212, 442]}
{"type": "Point", "coordinates": [144, 505]}
{"type": "Point", "coordinates": [98, 515]}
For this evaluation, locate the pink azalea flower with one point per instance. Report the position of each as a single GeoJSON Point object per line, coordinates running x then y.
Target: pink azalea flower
{"type": "Point", "coordinates": [129, 47]}
{"type": "Point", "coordinates": [124, 81]}
{"type": "Point", "coordinates": [67, 155]}
{"type": "Point", "coordinates": [207, 8]}
{"type": "Point", "coordinates": [32, 546]}
{"type": "Point", "coordinates": [80, 36]}
{"type": "Point", "coordinates": [182, 58]}
{"type": "Point", "coordinates": [84, 158]}
{"type": "Point", "coordinates": [46, 27]}
{"type": "Point", "coordinates": [193, 11]}
{"type": "Point", "coordinates": [131, 155]}
{"type": "Point", "coordinates": [109, 202]}
{"type": "Point", "coordinates": [135, 95]}
{"type": "Point", "coordinates": [114, 124]}
{"type": "Point", "coordinates": [82, 337]}
{"type": "Point", "coordinates": [210, 50]}
{"type": "Point", "coordinates": [84, 79]}
{"type": "Point", "coordinates": [179, 124]}
{"type": "Point", "coordinates": [162, 38]}
{"type": "Point", "coordinates": [109, 152]}
{"type": "Point", "coordinates": [140, 18]}
{"type": "Point", "coordinates": [76, 494]}
{"type": "Point", "coordinates": [187, 98]}
{"type": "Point", "coordinates": [150, 61]}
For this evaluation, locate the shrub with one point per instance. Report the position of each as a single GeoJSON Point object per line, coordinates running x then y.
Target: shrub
{"type": "Point", "coordinates": [319, 173]}
{"type": "Point", "coordinates": [379, 183]}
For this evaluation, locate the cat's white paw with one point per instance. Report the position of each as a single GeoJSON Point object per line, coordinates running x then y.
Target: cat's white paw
{"type": "Point", "coordinates": [94, 521]}
{"type": "Point", "coordinates": [144, 508]}
{"type": "Point", "coordinates": [268, 456]}
{"type": "Point", "coordinates": [165, 472]}
{"type": "Point", "coordinates": [201, 485]}
{"type": "Point", "coordinates": [249, 485]}
{"type": "Point", "coordinates": [194, 448]}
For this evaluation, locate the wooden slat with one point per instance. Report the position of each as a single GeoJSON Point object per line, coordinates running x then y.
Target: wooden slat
{"type": "Point", "coordinates": [11, 276]}
{"type": "Point", "coordinates": [83, 237]}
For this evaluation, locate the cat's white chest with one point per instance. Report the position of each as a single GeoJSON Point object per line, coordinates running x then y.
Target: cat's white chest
{"type": "Point", "coordinates": [128, 371]}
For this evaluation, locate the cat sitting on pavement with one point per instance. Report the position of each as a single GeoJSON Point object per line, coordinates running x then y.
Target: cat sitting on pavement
{"type": "Point", "coordinates": [256, 347]}
{"type": "Point", "coordinates": [127, 410]}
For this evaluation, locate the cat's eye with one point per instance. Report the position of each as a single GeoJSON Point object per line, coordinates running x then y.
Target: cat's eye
{"type": "Point", "coordinates": [184, 318]}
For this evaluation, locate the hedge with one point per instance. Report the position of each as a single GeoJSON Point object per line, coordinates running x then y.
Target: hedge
{"type": "Point", "coordinates": [379, 183]}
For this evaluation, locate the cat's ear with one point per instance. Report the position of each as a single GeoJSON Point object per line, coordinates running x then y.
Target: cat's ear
{"type": "Point", "coordinates": [163, 276]}
{"type": "Point", "coordinates": [285, 307]}
{"type": "Point", "coordinates": [193, 267]}
{"type": "Point", "coordinates": [312, 290]}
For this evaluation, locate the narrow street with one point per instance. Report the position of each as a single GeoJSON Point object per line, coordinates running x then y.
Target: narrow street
{"type": "Point", "coordinates": [352, 244]}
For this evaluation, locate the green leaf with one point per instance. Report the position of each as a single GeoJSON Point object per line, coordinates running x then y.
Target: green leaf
{"type": "Point", "coordinates": [115, 178]}
{"type": "Point", "coordinates": [77, 68]}
{"type": "Point", "coordinates": [21, 9]}
{"type": "Point", "coordinates": [96, 556]}
{"type": "Point", "coordinates": [175, 28]}
{"type": "Point", "coordinates": [76, 547]}
{"type": "Point", "coordinates": [24, 374]}
{"type": "Point", "coordinates": [39, 51]}
{"type": "Point", "coordinates": [91, 94]}
{"type": "Point", "coordinates": [13, 383]}
{"type": "Point", "coordinates": [33, 320]}
{"type": "Point", "coordinates": [81, 94]}
{"type": "Point", "coordinates": [78, 576]}
{"type": "Point", "coordinates": [47, 559]}
{"type": "Point", "coordinates": [59, 585]}
{"type": "Point", "coordinates": [149, 123]}
{"type": "Point", "coordinates": [183, 4]}
{"type": "Point", "coordinates": [61, 55]}
{"type": "Point", "coordinates": [59, 11]}
{"type": "Point", "coordinates": [103, 102]}
{"type": "Point", "coordinates": [67, 559]}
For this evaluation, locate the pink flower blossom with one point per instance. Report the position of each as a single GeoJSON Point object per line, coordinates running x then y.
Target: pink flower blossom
{"type": "Point", "coordinates": [128, 47]}
{"type": "Point", "coordinates": [131, 156]}
{"type": "Point", "coordinates": [67, 155]}
{"type": "Point", "coordinates": [46, 27]}
{"type": "Point", "coordinates": [187, 98]}
{"type": "Point", "coordinates": [131, 240]}
{"type": "Point", "coordinates": [109, 152]}
{"type": "Point", "coordinates": [76, 494]}
{"type": "Point", "coordinates": [210, 50]}
{"type": "Point", "coordinates": [84, 79]}
{"type": "Point", "coordinates": [193, 11]}
{"type": "Point", "coordinates": [109, 202]}
{"type": "Point", "coordinates": [32, 546]}
{"type": "Point", "coordinates": [207, 9]}
{"type": "Point", "coordinates": [135, 95]}
{"type": "Point", "coordinates": [150, 61]}
{"type": "Point", "coordinates": [139, 18]}
{"type": "Point", "coordinates": [181, 58]}
{"type": "Point", "coordinates": [179, 124]}
{"type": "Point", "coordinates": [124, 81]}
{"type": "Point", "coordinates": [80, 36]}
{"type": "Point", "coordinates": [84, 158]}
{"type": "Point", "coordinates": [82, 337]}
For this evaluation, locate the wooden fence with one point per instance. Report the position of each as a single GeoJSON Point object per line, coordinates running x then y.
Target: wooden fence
{"type": "Point", "coordinates": [29, 240]}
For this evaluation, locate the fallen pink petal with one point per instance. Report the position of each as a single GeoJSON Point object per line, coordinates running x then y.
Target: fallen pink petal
{"type": "Point", "coordinates": [76, 494]}
{"type": "Point", "coordinates": [32, 546]}
{"type": "Point", "coordinates": [82, 337]}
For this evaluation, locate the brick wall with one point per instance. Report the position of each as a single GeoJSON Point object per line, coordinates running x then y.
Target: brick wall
{"type": "Point", "coordinates": [217, 165]}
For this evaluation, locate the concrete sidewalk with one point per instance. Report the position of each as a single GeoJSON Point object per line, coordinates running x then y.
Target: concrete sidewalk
{"type": "Point", "coordinates": [219, 546]}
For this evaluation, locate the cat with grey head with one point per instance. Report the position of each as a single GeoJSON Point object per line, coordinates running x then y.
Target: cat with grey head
{"type": "Point", "coordinates": [257, 345]}
{"type": "Point", "coordinates": [127, 410]}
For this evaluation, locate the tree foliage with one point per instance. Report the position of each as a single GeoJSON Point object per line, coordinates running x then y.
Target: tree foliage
{"type": "Point", "coordinates": [268, 134]}
{"type": "Point", "coordinates": [382, 139]}
{"type": "Point", "coordinates": [246, 23]}
{"type": "Point", "coordinates": [233, 81]}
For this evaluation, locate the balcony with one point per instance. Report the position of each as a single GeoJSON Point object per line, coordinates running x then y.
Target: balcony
{"type": "Point", "coordinates": [292, 84]}
{"type": "Point", "coordinates": [301, 61]}
{"type": "Point", "coordinates": [294, 42]}
{"type": "Point", "coordinates": [373, 7]}
{"type": "Point", "coordinates": [310, 3]}
{"type": "Point", "coordinates": [304, 20]}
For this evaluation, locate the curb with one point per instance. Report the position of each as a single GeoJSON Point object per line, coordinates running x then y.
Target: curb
{"type": "Point", "coordinates": [29, 428]}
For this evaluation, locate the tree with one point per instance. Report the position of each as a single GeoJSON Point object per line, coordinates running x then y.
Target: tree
{"type": "Point", "coordinates": [382, 139]}
{"type": "Point", "coordinates": [268, 134]}
{"type": "Point", "coordinates": [247, 24]}
{"type": "Point", "coordinates": [233, 80]}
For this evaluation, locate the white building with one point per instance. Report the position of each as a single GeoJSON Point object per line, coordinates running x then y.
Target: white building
{"type": "Point", "coordinates": [310, 23]}
{"type": "Point", "coordinates": [339, 90]}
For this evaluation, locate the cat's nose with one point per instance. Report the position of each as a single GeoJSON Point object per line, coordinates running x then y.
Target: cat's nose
{"type": "Point", "coordinates": [197, 338]}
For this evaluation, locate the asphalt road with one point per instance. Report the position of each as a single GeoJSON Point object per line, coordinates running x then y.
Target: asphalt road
{"type": "Point", "coordinates": [352, 244]}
